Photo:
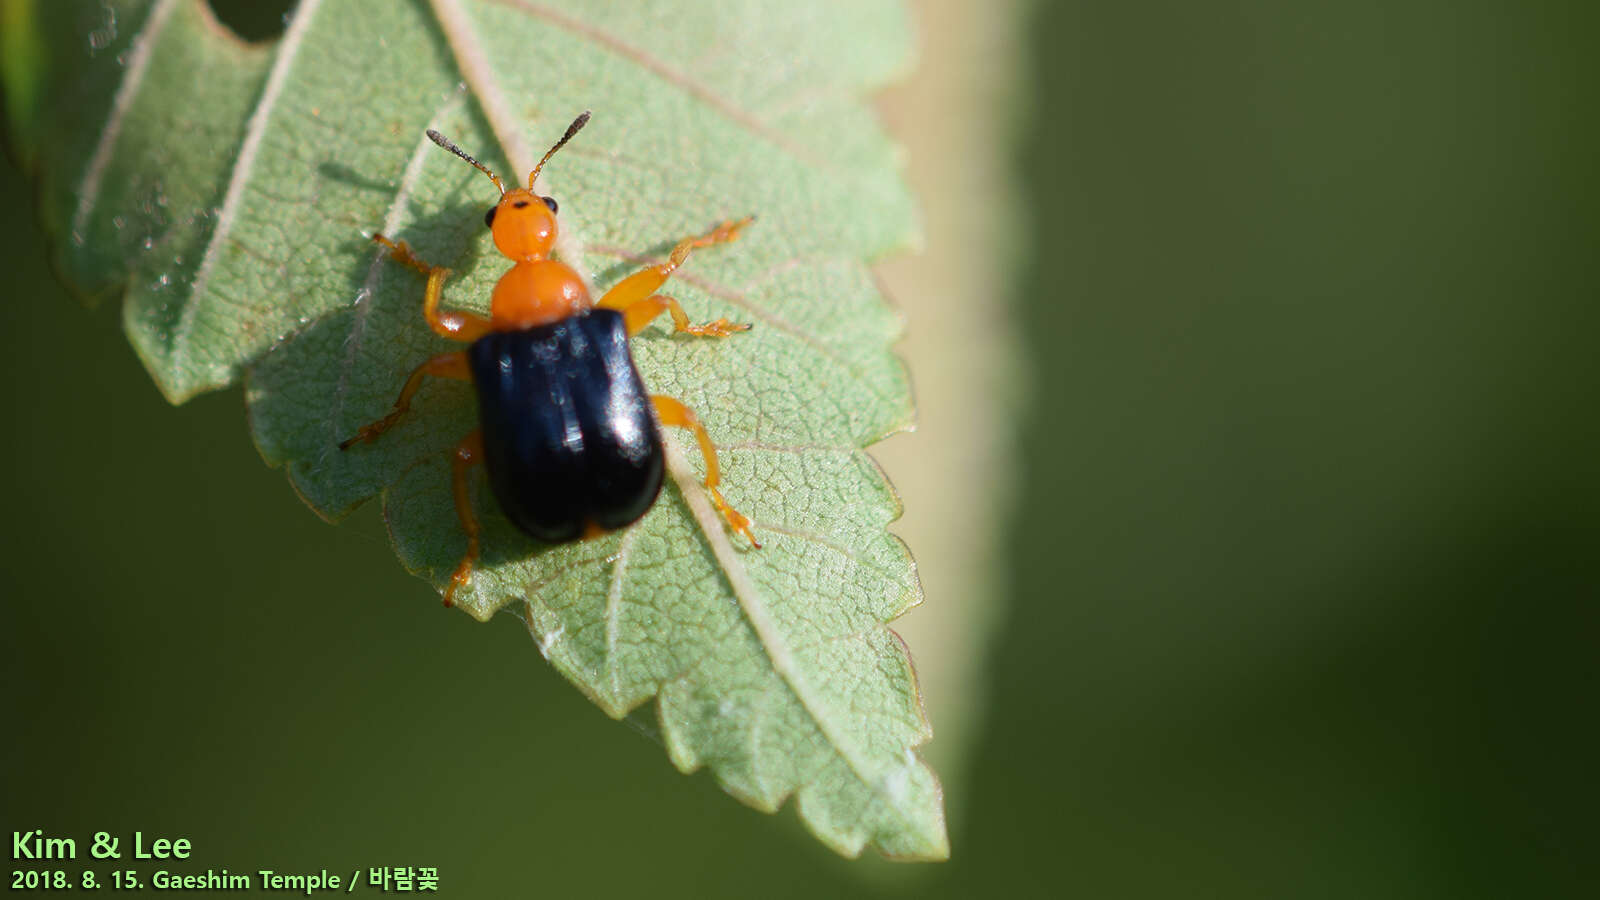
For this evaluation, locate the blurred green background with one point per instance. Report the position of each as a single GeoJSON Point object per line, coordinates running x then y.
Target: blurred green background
{"type": "Point", "coordinates": [1300, 580]}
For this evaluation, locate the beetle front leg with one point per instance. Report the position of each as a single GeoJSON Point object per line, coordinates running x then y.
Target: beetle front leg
{"type": "Point", "coordinates": [642, 284]}
{"type": "Point", "coordinates": [453, 324]}
{"type": "Point", "coordinates": [672, 412]}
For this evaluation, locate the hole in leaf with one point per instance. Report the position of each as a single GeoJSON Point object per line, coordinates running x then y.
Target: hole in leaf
{"type": "Point", "coordinates": [253, 20]}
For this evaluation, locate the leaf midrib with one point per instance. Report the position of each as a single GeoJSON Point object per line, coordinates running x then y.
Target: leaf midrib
{"type": "Point", "coordinates": [255, 132]}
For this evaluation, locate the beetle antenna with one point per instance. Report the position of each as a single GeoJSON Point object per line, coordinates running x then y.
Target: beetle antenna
{"type": "Point", "coordinates": [572, 129]}
{"type": "Point", "coordinates": [446, 143]}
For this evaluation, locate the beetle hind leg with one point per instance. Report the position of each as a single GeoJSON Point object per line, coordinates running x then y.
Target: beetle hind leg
{"type": "Point", "coordinates": [672, 412]}
{"type": "Point", "coordinates": [468, 454]}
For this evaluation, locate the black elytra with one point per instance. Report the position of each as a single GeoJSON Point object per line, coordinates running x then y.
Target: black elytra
{"type": "Point", "coordinates": [569, 436]}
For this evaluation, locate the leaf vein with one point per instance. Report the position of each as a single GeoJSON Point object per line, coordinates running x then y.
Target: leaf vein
{"type": "Point", "coordinates": [760, 620]}
{"type": "Point", "coordinates": [737, 298]}
{"type": "Point", "coordinates": [255, 132]}
{"type": "Point", "coordinates": [825, 541]}
{"type": "Point", "coordinates": [614, 610]}
{"type": "Point", "coordinates": [132, 77]}
{"type": "Point", "coordinates": [669, 74]}
{"type": "Point", "coordinates": [364, 301]}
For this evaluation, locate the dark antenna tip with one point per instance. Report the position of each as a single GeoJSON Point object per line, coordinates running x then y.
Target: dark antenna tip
{"type": "Point", "coordinates": [448, 144]}
{"type": "Point", "coordinates": [577, 124]}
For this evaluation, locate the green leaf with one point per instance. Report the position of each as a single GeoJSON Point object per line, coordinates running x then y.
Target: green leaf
{"type": "Point", "coordinates": [233, 189]}
{"type": "Point", "coordinates": [132, 143]}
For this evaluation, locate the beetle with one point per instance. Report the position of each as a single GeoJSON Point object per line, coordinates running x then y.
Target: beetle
{"type": "Point", "coordinates": [567, 432]}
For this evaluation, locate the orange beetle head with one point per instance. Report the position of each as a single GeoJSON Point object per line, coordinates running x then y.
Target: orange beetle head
{"type": "Point", "coordinates": [523, 224]}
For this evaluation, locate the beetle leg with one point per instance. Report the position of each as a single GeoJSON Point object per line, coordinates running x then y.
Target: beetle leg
{"type": "Point", "coordinates": [641, 313]}
{"type": "Point", "coordinates": [453, 324]}
{"type": "Point", "coordinates": [468, 454]}
{"type": "Point", "coordinates": [641, 284]}
{"type": "Point", "coordinates": [672, 412]}
{"type": "Point", "coordinates": [445, 365]}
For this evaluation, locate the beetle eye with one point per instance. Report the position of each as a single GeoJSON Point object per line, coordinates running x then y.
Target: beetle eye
{"type": "Point", "coordinates": [488, 217]}
{"type": "Point", "coordinates": [550, 202]}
